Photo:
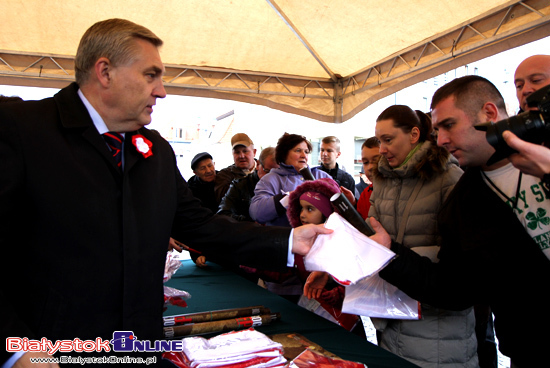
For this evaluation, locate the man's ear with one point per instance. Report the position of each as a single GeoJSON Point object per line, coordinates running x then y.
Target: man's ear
{"type": "Point", "coordinates": [103, 69]}
{"type": "Point", "coordinates": [489, 112]}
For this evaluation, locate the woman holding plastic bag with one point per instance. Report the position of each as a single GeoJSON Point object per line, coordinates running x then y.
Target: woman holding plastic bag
{"type": "Point", "coordinates": [412, 180]}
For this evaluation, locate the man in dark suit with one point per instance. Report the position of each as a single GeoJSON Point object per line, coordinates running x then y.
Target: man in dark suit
{"type": "Point", "coordinates": [85, 224]}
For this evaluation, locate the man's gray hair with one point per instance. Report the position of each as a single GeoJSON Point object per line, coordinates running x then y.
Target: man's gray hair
{"type": "Point", "coordinates": [112, 39]}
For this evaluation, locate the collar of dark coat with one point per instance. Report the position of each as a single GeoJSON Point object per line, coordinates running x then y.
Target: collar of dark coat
{"type": "Point", "coordinates": [196, 182]}
{"type": "Point", "coordinates": [331, 172]}
{"type": "Point", "coordinates": [428, 161]}
{"type": "Point", "coordinates": [74, 115]}
{"type": "Point", "coordinates": [72, 111]}
{"type": "Point", "coordinates": [235, 170]}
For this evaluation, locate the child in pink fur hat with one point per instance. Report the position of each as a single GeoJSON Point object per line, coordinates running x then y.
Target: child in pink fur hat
{"type": "Point", "coordinates": [310, 203]}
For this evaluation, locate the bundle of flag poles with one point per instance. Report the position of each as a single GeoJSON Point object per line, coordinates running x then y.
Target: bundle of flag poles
{"type": "Point", "coordinates": [217, 321]}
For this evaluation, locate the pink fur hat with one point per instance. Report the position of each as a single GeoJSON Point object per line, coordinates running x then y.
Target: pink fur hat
{"type": "Point", "coordinates": [324, 186]}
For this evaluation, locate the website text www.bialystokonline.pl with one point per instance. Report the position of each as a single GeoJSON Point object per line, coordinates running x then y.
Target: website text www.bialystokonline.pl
{"type": "Point", "coordinates": [96, 360]}
{"type": "Point", "coordinates": [122, 342]}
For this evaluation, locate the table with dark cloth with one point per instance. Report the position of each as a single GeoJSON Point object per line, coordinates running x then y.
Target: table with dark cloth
{"type": "Point", "coordinates": [216, 288]}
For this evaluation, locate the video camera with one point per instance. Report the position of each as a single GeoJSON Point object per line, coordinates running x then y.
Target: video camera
{"type": "Point", "coordinates": [531, 126]}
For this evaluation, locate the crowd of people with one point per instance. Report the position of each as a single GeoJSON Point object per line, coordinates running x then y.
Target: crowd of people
{"type": "Point", "coordinates": [471, 237]}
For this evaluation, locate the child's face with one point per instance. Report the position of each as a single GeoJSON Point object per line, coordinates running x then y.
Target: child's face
{"type": "Point", "coordinates": [310, 214]}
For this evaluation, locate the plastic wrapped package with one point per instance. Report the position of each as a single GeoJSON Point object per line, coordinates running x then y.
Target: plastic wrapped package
{"type": "Point", "coordinates": [171, 266]}
{"type": "Point", "coordinates": [247, 348]}
{"type": "Point", "coordinates": [346, 254]}
{"type": "Point", "coordinates": [310, 359]}
{"type": "Point", "coordinates": [175, 297]}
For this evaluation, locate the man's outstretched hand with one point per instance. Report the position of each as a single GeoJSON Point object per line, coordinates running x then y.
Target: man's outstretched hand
{"type": "Point", "coordinates": [303, 237]}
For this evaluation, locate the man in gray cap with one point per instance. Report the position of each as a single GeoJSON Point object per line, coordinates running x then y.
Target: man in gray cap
{"type": "Point", "coordinates": [244, 164]}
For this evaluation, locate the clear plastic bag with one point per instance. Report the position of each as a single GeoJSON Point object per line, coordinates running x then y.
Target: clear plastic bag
{"type": "Point", "coordinates": [170, 266]}
{"type": "Point", "coordinates": [175, 297]}
{"type": "Point", "coordinates": [375, 297]}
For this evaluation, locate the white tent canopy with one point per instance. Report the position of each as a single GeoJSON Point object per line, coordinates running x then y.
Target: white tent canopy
{"type": "Point", "coordinates": [324, 59]}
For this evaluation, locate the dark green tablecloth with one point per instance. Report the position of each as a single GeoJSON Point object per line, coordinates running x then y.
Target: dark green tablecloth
{"type": "Point", "coordinates": [216, 288]}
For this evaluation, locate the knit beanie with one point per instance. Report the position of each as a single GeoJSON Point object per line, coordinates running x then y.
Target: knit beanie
{"type": "Point", "coordinates": [319, 201]}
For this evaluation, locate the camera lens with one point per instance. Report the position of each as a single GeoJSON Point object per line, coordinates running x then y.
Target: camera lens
{"type": "Point", "coordinates": [528, 126]}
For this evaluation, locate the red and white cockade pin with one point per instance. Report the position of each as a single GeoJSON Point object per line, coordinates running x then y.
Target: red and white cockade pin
{"type": "Point", "coordinates": [143, 145]}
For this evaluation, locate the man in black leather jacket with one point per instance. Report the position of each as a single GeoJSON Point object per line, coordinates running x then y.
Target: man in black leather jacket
{"type": "Point", "coordinates": [236, 201]}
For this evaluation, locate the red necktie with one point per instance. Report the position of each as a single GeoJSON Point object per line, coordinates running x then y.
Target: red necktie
{"type": "Point", "coordinates": [114, 140]}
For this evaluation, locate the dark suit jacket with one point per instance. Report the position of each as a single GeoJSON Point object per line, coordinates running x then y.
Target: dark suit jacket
{"type": "Point", "coordinates": [83, 245]}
